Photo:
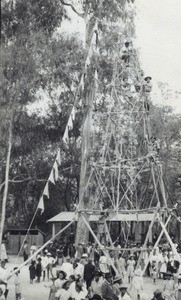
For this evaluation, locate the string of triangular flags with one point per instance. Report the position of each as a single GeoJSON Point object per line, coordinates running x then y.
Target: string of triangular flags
{"type": "Point", "coordinates": [93, 47]}
{"type": "Point", "coordinates": [52, 178]}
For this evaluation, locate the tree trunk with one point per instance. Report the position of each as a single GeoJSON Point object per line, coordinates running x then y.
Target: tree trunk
{"type": "Point", "coordinates": [5, 193]}
{"type": "Point", "coordinates": [84, 197]}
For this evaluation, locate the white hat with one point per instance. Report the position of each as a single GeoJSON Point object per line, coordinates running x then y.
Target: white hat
{"type": "Point", "coordinates": [84, 255]}
{"type": "Point", "coordinates": [49, 254]}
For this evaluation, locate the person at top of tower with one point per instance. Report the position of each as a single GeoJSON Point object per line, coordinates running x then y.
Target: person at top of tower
{"type": "Point", "coordinates": [148, 84]}
{"type": "Point", "coordinates": [126, 52]}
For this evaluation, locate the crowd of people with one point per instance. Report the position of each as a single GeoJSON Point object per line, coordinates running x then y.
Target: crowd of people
{"type": "Point", "coordinates": [85, 272]}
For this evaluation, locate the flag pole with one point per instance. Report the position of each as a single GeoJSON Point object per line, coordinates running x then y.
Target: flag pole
{"type": "Point", "coordinates": [39, 250]}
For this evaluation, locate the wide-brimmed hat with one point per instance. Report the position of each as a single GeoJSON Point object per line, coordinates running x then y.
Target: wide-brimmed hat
{"type": "Point", "coordinates": [148, 77]}
{"type": "Point", "coordinates": [117, 278]}
{"type": "Point", "coordinates": [84, 255]}
{"type": "Point", "coordinates": [157, 292]}
{"type": "Point", "coordinates": [123, 287]}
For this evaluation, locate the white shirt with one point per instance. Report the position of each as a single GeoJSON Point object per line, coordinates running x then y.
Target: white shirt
{"type": "Point", "coordinates": [79, 270]}
{"type": "Point", "coordinates": [79, 296]}
{"type": "Point", "coordinates": [67, 268]}
{"type": "Point", "coordinates": [125, 297]}
{"type": "Point", "coordinates": [63, 294]}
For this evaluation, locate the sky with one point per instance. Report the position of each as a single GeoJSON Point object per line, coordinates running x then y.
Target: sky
{"type": "Point", "coordinates": [158, 29]}
{"type": "Point", "coordinates": [158, 38]}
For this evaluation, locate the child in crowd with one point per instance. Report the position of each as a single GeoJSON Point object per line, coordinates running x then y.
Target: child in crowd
{"type": "Point", "coordinates": [17, 284]}
{"type": "Point", "coordinates": [32, 271]}
{"type": "Point", "coordinates": [38, 269]}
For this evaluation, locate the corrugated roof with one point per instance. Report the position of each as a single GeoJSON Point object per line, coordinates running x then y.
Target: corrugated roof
{"type": "Point", "coordinates": [68, 216]}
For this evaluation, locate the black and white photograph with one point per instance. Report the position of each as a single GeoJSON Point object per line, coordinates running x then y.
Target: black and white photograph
{"type": "Point", "coordinates": [90, 150]}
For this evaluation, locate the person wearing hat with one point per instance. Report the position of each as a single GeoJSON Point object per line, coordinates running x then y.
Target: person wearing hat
{"type": "Point", "coordinates": [38, 269]}
{"type": "Point", "coordinates": [50, 262]}
{"type": "Point", "coordinates": [107, 288]}
{"type": "Point", "coordinates": [89, 270]}
{"type": "Point", "coordinates": [123, 293]}
{"type": "Point", "coordinates": [96, 284]}
{"type": "Point", "coordinates": [116, 285]}
{"type": "Point", "coordinates": [137, 283]}
{"type": "Point", "coordinates": [130, 267]}
{"type": "Point", "coordinates": [126, 52]}
{"type": "Point", "coordinates": [157, 295]}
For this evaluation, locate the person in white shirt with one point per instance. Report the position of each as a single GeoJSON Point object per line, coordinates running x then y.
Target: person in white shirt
{"type": "Point", "coordinates": [80, 292]}
{"type": "Point", "coordinates": [3, 252]}
{"type": "Point", "coordinates": [67, 267]}
{"type": "Point", "coordinates": [50, 262]}
{"type": "Point", "coordinates": [17, 284]}
{"type": "Point", "coordinates": [44, 263]}
{"type": "Point", "coordinates": [59, 282]}
{"type": "Point", "coordinates": [64, 292]}
{"type": "Point", "coordinates": [3, 278]}
{"type": "Point", "coordinates": [137, 283]}
{"type": "Point", "coordinates": [103, 264]}
{"type": "Point", "coordinates": [33, 249]}
{"type": "Point", "coordinates": [78, 268]}
{"type": "Point", "coordinates": [123, 293]}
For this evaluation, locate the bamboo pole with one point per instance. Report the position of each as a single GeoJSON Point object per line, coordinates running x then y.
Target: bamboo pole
{"type": "Point", "coordinates": [39, 250]}
{"type": "Point", "coordinates": [170, 240]}
{"type": "Point", "coordinates": [148, 234]}
{"type": "Point", "coordinates": [101, 246]}
{"type": "Point", "coordinates": [6, 185]}
{"type": "Point", "coordinates": [156, 244]}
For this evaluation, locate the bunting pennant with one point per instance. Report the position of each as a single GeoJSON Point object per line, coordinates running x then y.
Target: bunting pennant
{"type": "Point", "coordinates": [96, 74]}
{"type": "Point", "coordinates": [70, 123]}
{"type": "Point", "coordinates": [46, 191]}
{"type": "Point", "coordinates": [41, 205]}
{"type": "Point", "coordinates": [55, 167]}
{"type": "Point", "coordinates": [82, 82]}
{"type": "Point", "coordinates": [51, 178]}
{"type": "Point", "coordinates": [87, 63]}
{"type": "Point", "coordinates": [66, 136]}
{"type": "Point", "coordinates": [58, 159]}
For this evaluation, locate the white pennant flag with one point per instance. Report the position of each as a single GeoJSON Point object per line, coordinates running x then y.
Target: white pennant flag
{"type": "Point", "coordinates": [87, 62]}
{"type": "Point", "coordinates": [55, 167]}
{"type": "Point", "coordinates": [51, 178]}
{"type": "Point", "coordinates": [58, 159]}
{"type": "Point", "coordinates": [73, 113]}
{"type": "Point", "coordinates": [46, 191]}
{"type": "Point", "coordinates": [70, 123]}
{"type": "Point", "coordinates": [82, 82]}
{"type": "Point", "coordinates": [41, 205]}
{"type": "Point", "coordinates": [66, 136]}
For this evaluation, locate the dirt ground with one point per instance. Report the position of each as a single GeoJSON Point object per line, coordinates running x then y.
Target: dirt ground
{"type": "Point", "coordinates": [40, 291]}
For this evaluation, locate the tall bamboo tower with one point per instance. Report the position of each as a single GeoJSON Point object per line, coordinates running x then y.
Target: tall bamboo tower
{"type": "Point", "coordinates": [121, 171]}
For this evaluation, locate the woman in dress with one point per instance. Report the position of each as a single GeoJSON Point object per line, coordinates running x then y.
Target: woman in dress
{"type": "Point", "coordinates": [130, 267]}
